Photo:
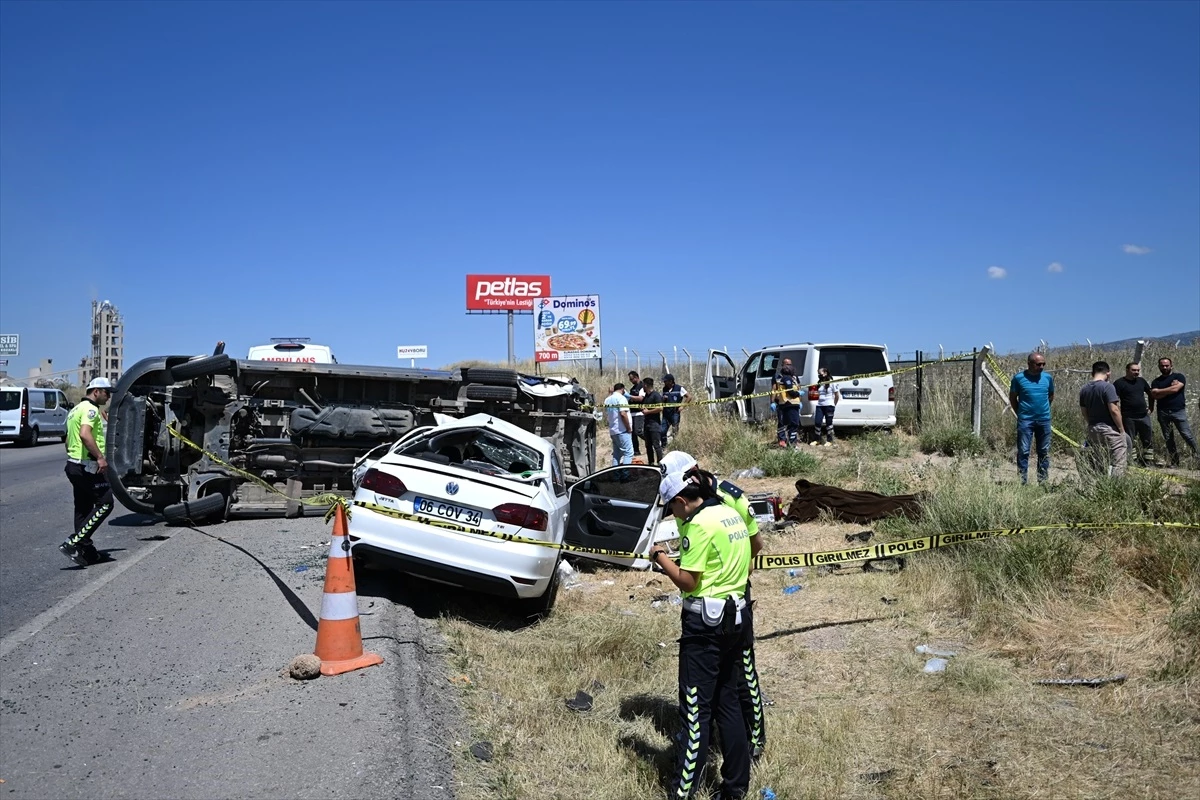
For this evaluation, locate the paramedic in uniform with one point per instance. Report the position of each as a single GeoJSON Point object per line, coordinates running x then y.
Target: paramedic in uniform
{"type": "Point", "coordinates": [88, 472]}
{"type": "Point", "coordinates": [749, 691]}
{"type": "Point", "coordinates": [712, 573]}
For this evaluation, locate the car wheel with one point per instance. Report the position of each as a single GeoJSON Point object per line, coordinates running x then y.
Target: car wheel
{"type": "Point", "coordinates": [477, 392]}
{"type": "Point", "coordinates": [491, 376]}
{"type": "Point", "coordinates": [541, 607]}
{"type": "Point", "coordinates": [32, 439]}
{"type": "Point", "coordinates": [209, 365]}
{"type": "Point", "coordinates": [210, 507]}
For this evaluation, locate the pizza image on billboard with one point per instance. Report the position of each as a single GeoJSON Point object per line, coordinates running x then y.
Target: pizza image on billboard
{"type": "Point", "coordinates": [567, 328]}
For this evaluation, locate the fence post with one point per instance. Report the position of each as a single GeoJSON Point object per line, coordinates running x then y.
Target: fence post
{"type": "Point", "coordinates": [691, 376]}
{"type": "Point", "coordinates": [663, 356]}
{"type": "Point", "coordinates": [1138, 349]}
{"type": "Point", "coordinates": [639, 362]}
{"type": "Point", "coordinates": [976, 392]}
{"type": "Point", "coordinates": [920, 388]}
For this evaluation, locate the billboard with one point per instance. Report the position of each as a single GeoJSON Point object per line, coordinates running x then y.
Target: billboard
{"type": "Point", "coordinates": [505, 292]}
{"type": "Point", "coordinates": [412, 351]}
{"type": "Point", "coordinates": [566, 328]}
{"type": "Point", "coordinates": [10, 343]}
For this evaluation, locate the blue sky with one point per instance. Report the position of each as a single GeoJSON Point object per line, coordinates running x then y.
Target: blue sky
{"type": "Point", "coordinates": [720, 174]}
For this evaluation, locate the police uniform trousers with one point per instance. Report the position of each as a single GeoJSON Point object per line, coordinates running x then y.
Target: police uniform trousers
{"type": "Point", "coordinates": [709, 677]}
{"type": "Point", "coordinates": [749, 693]}
{"type": "Point", "coordinates": [93, 501]}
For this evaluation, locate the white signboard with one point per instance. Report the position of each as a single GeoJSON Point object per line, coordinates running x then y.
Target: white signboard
{"type": "Point", "coordinates": [566, 328]}
{"type": "Point", "coordinates": [10, 344]}
{"type": "Point", "coordinates": [412, 351]}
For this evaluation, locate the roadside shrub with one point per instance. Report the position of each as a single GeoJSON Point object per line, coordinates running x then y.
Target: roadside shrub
{"type": "Point", "coordinates": [880, 445]}
{"type": "Point", "coordinates": [785, 463]}
{"type": "Point", "coordinates": [951, 441]}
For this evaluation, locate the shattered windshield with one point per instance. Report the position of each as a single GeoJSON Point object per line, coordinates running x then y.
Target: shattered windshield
{"type": "Point", "coordinates": [474, 448]}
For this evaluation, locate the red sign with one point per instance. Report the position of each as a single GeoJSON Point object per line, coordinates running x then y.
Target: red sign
{"type": "Point", "coordinates": [505, 292]}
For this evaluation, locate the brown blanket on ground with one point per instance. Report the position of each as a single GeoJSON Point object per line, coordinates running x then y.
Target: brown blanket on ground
{"type": "Point", "coordinates": [848, 506]}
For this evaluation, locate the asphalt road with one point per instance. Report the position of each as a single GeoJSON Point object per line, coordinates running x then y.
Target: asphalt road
{"type": "Point", "coordinates": [161, 673]}
{"type": "Point", "coordinates": [35, 517]}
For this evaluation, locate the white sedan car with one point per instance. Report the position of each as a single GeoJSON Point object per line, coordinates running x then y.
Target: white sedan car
{"type": "Point", "coordinates": [428, 505]}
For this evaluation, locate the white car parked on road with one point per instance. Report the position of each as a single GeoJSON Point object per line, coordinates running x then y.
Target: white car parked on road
{"type": "Point", "coordinates": [425, 507]}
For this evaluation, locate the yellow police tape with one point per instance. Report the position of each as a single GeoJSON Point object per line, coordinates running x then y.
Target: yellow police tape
{"type": "Point", "coordinates": [805, 387]}
{"type": "Point", "coordinates": [508, 537]}
{"type": "Point", "coordinates": [783, 561]}
{"type": "Point", "coordinates": [327, 499]}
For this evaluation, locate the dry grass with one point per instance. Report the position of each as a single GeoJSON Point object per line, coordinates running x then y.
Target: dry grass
{"type": "Point", "coordinates": [852, 714]}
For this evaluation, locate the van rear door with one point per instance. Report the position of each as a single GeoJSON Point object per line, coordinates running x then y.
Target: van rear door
{"type": "Point", "coordinates": [866, 401]}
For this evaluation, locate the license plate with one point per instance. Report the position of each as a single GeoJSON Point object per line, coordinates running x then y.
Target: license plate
{"type": "Point", "coordinates": [855, 393]}
{"type": "Point", "coordinates": [440, 508]}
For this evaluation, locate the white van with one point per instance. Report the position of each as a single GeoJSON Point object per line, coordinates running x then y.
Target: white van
{"type": "Point", "coordinates": [866, 402]}
{"type": "Point", "coordinates": [292, 351]}
{"type": "Point", "coordinates": [26, 415]}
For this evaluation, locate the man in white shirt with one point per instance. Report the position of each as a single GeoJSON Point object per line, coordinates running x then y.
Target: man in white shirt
{"type": "Point", "coordinates": [620, 425]}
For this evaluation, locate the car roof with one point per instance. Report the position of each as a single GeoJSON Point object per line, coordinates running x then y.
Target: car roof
{"type": "Point", "coordinates": [498, 425]}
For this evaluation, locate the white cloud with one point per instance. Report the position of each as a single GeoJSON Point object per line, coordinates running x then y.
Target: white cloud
{"type": "Point", "coordinates": [1135, 249]}
{"type": "Point", "coordinates": [997, 273]}
{"type": "Point", "coordinates": [1054, 267]}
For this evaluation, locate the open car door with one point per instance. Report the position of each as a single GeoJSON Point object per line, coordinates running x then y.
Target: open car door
{"type": "Point", "coordinates": [720, 382]}
{"type": "Point", "coordinates": [617, 509]}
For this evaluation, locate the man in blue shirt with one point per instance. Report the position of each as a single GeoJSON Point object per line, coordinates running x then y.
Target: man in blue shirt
{"type": "Point", "coordinates": [1030, 395]}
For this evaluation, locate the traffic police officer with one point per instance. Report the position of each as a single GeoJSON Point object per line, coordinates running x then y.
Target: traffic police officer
{"type": "Point", "coordinates": [749, 692]}
{"type": "Point", "coordinates": [87, 471]}
{"type": "Point", "coordinates": [712, 572]}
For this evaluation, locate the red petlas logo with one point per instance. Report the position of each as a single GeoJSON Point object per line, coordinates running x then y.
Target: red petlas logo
{"type": "Point", "coordinates": [505, 292]}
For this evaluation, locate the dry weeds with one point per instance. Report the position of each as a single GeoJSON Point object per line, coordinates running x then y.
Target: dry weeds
{"type": "Point", "coordinates": [852, 714]}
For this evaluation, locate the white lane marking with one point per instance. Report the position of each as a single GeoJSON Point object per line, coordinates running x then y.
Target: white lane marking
{"type": "Point", "coordinates": [64, 606]}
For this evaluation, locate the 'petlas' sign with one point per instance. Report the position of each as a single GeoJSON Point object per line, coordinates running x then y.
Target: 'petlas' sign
{"type": "Point", "coordinates": [505, 292]}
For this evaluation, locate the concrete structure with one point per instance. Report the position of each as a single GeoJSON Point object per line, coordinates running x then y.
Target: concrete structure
{"type": "Point", "coordinates": [107, 359]}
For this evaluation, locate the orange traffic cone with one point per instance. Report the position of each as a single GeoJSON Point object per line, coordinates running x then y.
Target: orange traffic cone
{"type": "Point", "coordinates": [339, 639]}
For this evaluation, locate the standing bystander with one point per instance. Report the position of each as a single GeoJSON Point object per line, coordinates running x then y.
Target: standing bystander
{"type": "Point", "coordinates": [1101, 409]}
{"type": "Point", "coordinates": [1030, 394]}
{"type": "Point", "coordinates": [1136, 407]}
{"type": "Point", "coordinates": [652, 399]}
{"type": "Point", "coordinates": [1168, 391]}
{"type": "Point", "coordinates": [620, 426]}
{"type": "Point", "coordinates": [675, 395]}
{"type": "Point", "coordinates": [635, 394]}
{"type": "Point", "coordinates": [87, 470]}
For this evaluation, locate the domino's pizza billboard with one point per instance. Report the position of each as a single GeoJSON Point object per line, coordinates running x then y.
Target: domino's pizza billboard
{"type": "Point", "coordinates": [566, 328]}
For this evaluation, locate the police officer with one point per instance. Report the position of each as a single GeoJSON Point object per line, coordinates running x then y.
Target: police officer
{"type": "Point", "coordinates": [88, 472]}
{"type": "Point", "coordinates": [749, 693]}
{"type": "Point", "coordinates": [712, 572]}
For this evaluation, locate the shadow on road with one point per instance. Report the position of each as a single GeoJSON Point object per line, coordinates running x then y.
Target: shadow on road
{"type": "Point", "coordinates": [429, 600]}
{"type": "Point", "coordinates": [134, 521]}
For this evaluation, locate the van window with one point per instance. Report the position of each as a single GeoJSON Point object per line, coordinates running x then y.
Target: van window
{"type": "Point", "coordinates": [845, 361]}
{"type": "Point", "coordinates": [37, 399]}
{"type": "Point", "coordinates": [10, 399]}
{"type": "Point", "coordinates": [50, 400]}
{"type": "Point", "coordinates": [292, 353]}
{"type": "Point", "coordinates": [773, 361]}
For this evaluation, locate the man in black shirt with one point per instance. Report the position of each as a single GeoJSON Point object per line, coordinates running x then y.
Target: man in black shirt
{"type": "Point", "coordinates": [636, 392]}
{"type": "Point", "coordinates": [653, 414]}
{"type": "Point", "coordinates": [1167, 391]}
{"type": "Point", "coordinates": [1136, 405]}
